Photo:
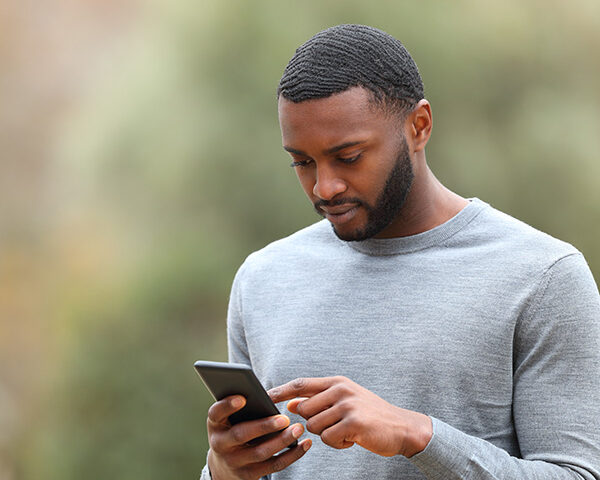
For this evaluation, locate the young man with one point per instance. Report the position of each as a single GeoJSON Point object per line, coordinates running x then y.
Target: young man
{"type": "Point", "coordinates": [436, 336]}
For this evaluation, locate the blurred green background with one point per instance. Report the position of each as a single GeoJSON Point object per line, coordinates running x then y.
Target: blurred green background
{"type": "Point", "coordinates": [141, 162]}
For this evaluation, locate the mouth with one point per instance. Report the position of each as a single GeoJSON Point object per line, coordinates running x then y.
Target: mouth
{"type": "Point", "coordinates": [339, 214]}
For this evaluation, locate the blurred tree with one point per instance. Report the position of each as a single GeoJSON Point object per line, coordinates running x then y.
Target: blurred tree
{"type": "Point", "coordinates": [177, 150]}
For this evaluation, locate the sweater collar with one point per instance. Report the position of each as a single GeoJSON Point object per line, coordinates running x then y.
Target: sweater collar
{"type": "Point", "coordinates": [420, 241]}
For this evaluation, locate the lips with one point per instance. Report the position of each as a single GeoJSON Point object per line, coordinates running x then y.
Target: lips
{"type": "Point", "coordinates": [338, 209]}
{"type": "Point", "coordinates": [340, 214]}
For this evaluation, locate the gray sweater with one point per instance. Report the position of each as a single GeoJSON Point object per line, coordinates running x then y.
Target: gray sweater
{"type": "Point", "coordinates": [485, 324]}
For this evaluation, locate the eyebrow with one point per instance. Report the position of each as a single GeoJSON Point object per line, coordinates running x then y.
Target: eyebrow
{"type": "Point", "coordinates": [329, 151]}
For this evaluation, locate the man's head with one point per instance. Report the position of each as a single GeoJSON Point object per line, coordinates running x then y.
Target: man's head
{"type": "Point", "coordinates": [346, 56]}
{"type": "Point", "coordinates": [353, 117]}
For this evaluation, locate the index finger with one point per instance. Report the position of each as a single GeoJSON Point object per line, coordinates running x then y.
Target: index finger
{"type": "Point", "coordinates": [300, 387]}
{"type": "Point", "coordinates": [219, 411]}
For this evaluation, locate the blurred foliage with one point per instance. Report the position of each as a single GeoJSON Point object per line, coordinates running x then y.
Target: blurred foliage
{"type": "Point", "coordinates": [170, 171]}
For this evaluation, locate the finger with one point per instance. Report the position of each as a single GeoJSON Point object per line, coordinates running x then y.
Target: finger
{"type": "Point", "coordinates": [324, 420]}
{"type": "Point", "coordinates": [309, 407]}
{"type": "Point", "coordinates": [300, 387]}
{"type": "Point", "coordinates": [244, 432]}
{"type": "Point", "coordinates": [270, 446]}
{"type": "Point", "coordinates": [283, 460]}
{"type": "Point", "coordinates": [337, 436]}
{"type": "Point", "coordinates": [292, 405]}
{"type": "Point", "coordinates": [220, 411]}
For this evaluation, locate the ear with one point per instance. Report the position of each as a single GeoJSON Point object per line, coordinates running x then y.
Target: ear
{"type": "Point", "coordinates": [420, 123]}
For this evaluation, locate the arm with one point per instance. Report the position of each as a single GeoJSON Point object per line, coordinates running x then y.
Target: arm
{"type": "Point", "coordinates": [231, 455]}
{"type": "Point", "coordinates": [236, 347]}
{"type": "Point", "coordinates": [556, 401]}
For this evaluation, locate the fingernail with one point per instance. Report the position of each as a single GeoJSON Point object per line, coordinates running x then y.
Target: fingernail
{"type": "Point", "coordinates": [281, 422]}
{"type": "Point", "coordinates": [306, 445]}
{"type": "Point", "coordinates": [297, 431]}
{"type": "Point", "coordinates": [237, 402]}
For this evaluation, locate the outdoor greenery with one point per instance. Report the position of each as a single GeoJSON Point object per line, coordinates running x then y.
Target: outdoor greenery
{"type": "Point", "coordinates": [170, 171]}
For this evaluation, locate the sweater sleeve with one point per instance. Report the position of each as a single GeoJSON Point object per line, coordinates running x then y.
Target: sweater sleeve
{"type": "Point", "coordinates": [236, 339]}
{"type": "Point", "coordinates": [556, 398]}
{"type": "Point", "coordinates": [205, 473]}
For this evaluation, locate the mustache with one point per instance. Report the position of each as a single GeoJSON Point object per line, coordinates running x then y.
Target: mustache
{"type": "Point", "coordinates": [340, 201]}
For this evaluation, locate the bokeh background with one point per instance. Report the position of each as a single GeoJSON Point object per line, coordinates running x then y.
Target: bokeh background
{"type": "Point", "coordinates": [141, 162]}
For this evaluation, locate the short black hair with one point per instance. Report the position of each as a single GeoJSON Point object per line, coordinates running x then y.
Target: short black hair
{"type": "Point", "coordinates": [347, 56]}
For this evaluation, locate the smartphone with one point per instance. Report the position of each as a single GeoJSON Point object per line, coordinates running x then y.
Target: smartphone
{"type": "Point", "coordinates": [224, 379]}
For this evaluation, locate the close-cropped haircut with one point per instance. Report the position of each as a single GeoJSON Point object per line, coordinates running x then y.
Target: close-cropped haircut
{"type": "Point", "coordinates": [347, 56]}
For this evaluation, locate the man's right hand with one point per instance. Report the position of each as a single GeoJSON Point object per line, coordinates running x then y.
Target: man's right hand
{"type": "Point", "coordinates": [231, 457]}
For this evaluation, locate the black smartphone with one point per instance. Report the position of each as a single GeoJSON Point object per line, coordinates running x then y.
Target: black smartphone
{"type": "Point", "coordinates": [224, 379]}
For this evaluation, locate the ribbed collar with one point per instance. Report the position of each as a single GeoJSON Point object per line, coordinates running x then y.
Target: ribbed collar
{"type": "Point", "coordinates": [399, 245]}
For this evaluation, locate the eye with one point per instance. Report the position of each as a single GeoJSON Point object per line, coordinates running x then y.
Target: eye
{"type": "Point", "coordinates": [300, 163]}
{"type": "Point", "coordinates": [350, 159]}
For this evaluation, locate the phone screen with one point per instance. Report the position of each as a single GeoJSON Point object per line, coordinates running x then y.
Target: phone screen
{"type": "Point", "coordinates": [224, 379]}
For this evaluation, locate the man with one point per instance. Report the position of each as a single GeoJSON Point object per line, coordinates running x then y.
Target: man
{"type": "Point", "coordinates": [435, 336]}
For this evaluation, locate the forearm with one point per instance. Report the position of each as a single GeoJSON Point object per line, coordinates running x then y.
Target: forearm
{"type": "Point", "coordinates": [454, 455]}
{"type": "Point", "coordinates": [555, 398]}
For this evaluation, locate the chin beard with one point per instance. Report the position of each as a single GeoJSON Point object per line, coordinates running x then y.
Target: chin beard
{"type": "Point", "coordinates": [389, 203]}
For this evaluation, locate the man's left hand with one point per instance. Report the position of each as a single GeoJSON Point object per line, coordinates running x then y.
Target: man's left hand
{"type": "Point", "coordinates": [344, 413]}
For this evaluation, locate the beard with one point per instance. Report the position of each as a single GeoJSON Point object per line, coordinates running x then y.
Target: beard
{"type": "Point", "coordinates": [388, 204]}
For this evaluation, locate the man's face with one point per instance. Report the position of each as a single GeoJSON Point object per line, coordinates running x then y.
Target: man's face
{"type": "Point", "coordinates": [352, 160]}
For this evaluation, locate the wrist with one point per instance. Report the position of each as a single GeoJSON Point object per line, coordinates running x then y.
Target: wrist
{"type": "Point", "coordinates": [210, 464]}
{"type": "Point", "coordinates": [417, 435]}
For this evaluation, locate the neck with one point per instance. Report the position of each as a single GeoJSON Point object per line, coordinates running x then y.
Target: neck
{"type": "Point", "coordinates": [428, 205]}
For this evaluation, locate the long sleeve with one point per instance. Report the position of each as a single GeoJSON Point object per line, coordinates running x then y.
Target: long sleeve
{"type": "Point", "coordinates": [556, 401]}
{"type": "Point", "coordinates": [238, 351]}
{"type": "Point", "coordinates": [236, 339]}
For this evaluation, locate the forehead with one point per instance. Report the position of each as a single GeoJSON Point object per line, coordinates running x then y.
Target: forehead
{"type": "Point", "coordinates": [336, 118]}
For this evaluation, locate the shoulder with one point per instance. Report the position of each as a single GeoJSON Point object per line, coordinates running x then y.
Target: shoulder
{"type": "Point", "coordinates": [302, 247]}
{"type": "Point", "coordinates": [514, 241]}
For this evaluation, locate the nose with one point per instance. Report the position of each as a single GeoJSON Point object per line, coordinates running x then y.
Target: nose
{"type": "Point", "coordinates": [328, 184]}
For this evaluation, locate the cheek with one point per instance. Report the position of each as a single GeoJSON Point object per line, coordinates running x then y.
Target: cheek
{"type": "Point", "coordinates": [307, 180]}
